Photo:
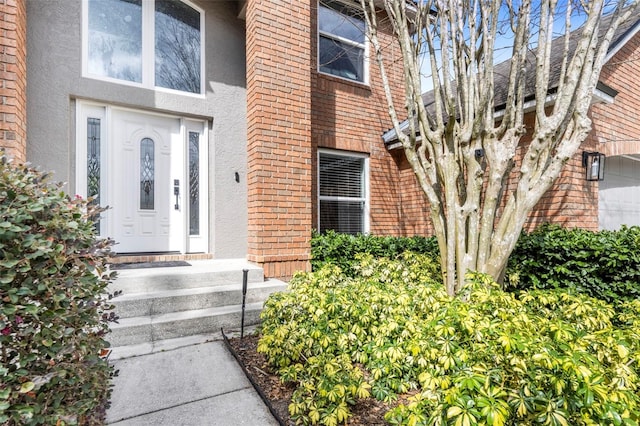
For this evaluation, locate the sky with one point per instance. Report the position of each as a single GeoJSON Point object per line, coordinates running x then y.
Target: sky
{"type": "Point", "coordinates": [504, 41]}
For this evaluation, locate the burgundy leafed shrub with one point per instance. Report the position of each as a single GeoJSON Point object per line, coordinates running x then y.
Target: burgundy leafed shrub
{"type": "Point", "coordinates": [53, 304]}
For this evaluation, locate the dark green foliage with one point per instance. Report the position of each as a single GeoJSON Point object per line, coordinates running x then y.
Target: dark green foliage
{"type": "Point", "coordinates": [483, 357]}
{"type": "Point", "coordinates": [53, 305]}
{"type": "Point", "coordinates": [341, 249]}
{"type": "Point", "coordinates": [603, 264]}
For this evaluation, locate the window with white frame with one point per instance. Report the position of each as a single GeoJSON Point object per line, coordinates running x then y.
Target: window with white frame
{"type": "Point", "coordinates": [341, 41]}
{"type": "Point", "coordinates": [342, 189]}
{"type": "Point", "coordinates": [152, 43]}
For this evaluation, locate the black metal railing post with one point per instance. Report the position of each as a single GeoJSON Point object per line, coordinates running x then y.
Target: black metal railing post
{"type": "Point", "coordinates": [245, 272]}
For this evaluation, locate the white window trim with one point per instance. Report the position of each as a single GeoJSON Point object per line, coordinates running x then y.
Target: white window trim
{"type": "Point", "coordinates": [367, 192]}
{"type": "Point", "coordinates": [365, 48]}
{"type": "Point", "coordinates": [148, 51]}
{"type": "Point", "coordinates": [197, 243]}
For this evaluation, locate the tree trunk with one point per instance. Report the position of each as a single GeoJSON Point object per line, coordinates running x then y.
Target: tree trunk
{"type": "Point", "coordinates": [462, 153]}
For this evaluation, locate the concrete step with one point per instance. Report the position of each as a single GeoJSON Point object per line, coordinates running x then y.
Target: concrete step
{"type": "Point", "coordinates": [157, 304]}
{"type": "Point", "coordinates": [201, 273]}
{"type": "Point", "coordinates": [149, 329]}
{"type": "Point", "coordinates": [166, 301]}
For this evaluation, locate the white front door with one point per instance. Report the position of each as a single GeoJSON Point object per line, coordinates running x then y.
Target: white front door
{"type": "Point", "coordinates": [150, 171]}
{"type": "Point", "coordinates": [146, 182]}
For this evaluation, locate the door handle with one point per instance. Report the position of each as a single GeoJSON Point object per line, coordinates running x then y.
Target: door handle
{"type": "Point", "coordinates": [176, 192]}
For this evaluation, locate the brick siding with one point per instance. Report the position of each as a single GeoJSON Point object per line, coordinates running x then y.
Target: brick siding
{"type": "Point", "coordinates": [616, 127]}
{"type": "Point", "coordinates": [292, 111]}
{"type": "Point", "coordinates": [13, 78]}
{"type": "Point", "coordinates": [351, 116]}
{"type": "Point", "coordinates": [573, 201]}
{"type": "Point", "coordinates": [278, 135]}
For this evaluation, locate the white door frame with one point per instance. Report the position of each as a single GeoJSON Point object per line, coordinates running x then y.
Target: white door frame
{"type": "Point", "coordinates": [191, 239]}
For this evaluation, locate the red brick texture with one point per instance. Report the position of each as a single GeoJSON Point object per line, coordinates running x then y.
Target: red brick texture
{"type": "Point", "coordinates": [616, 127]}
{"type": "Point", "coordinates": [13, 78]}
{"type": "Point", "coordinates": [294, 110]}
{"type": "Point", "coordinates": [351, 117]}
{"type": "Point", "coordinates": [573, 201]}
{"type": "Point", "coordinates": [279, 134]}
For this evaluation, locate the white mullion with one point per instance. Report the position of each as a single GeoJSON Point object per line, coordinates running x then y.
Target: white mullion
{"type": "Point", "coordinates": [148, 44]}
{"type": "Point", "coordinates": [203, 59]}
{"type": "Point", "coordinates": [342, 39]}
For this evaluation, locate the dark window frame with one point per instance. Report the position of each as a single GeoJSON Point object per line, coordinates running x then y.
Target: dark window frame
{"type": "Point", "coordinates": [347, 57]}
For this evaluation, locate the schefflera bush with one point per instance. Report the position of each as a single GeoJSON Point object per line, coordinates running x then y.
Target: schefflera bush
{"type": "Point", "coordinates": [54, 309]}
{"type": "Point", "coordinates": [483, 357]}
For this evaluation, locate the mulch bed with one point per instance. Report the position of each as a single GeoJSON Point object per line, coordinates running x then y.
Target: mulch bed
{"type": "Point", "coordinates": [369, 412]}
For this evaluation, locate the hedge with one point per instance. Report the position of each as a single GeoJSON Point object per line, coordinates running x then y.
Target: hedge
{"type": "Point", "coordinates": [54, 310]}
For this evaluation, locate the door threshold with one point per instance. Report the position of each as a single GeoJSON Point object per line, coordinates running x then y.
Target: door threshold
{"type": "Point", "coordinates": [157, 257]}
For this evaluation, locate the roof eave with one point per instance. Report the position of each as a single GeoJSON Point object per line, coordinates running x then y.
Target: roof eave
{"type": "Point", "coordinates": [601, 94]}
{"type": "Point", "coordinates": [621, 41]}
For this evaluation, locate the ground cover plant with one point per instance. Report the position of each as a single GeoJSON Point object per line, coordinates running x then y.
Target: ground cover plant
{"type": "Point", "coordinates": [53, 305]}
{"type": "Point", "coordinates": [485, 356]}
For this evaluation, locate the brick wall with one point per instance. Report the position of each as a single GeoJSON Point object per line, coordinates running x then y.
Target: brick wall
{"type": "Point", "coordinates": [294, 110]}
{"type": "Point", "coordinates": [616, 127]}
{"type": "Point", "coordinates": [414, 207]}
{"type": "Point", "coordinates": [573, 201]}
{"type": "Point", "coordinates": [351, 116]}
{"type": "Point", "coordinates": [13, 78]}
{"type": "Point", "coordinates": [278, 135]}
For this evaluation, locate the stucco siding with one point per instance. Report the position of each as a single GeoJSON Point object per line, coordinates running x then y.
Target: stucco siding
{"type": "Point", "coordinates": [55, 82]}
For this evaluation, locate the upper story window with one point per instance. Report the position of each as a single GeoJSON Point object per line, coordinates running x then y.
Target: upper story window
{"type": "Point", "coordinates": [151, 43]}
{"type": "Point", "coordinates": [341, 41]}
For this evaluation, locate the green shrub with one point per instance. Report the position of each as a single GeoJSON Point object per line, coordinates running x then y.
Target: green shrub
{"type": "Point", "coordinates": [341, 249]}
{"type": "Point", "coordinates": [603, 264]}
{"type": "Point", "coordinates": [483, 357]}
{"type": "Point", "coordinates": [53, 309]}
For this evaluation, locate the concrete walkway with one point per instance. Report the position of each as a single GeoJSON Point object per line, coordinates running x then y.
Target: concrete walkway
{"type": "Point", "coordinates": [189, 381]}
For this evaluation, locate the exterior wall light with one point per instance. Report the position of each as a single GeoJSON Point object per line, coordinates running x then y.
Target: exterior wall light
{"type": "Point", "coordinates": [593, 162]}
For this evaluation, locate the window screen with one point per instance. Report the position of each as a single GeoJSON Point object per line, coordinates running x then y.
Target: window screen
{"type": "Point", "coordinates": [342, 193]}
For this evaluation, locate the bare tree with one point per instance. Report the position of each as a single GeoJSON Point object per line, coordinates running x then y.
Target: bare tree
{"type": "Point", "coordinates": [462, 142]}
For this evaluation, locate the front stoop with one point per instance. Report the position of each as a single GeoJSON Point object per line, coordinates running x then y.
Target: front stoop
{"type": "Point", "coordinates": [157, 304]}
